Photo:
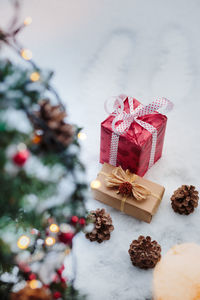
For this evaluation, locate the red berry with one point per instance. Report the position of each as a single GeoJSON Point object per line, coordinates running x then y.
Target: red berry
{"type": "Point", "coordinates": [32, 276]}
{"type": "Point", "coordinates": [62, 279]}
{"type": "Point", "coordinates": [66, 237]}
{"type": "Point", "coordinates": [21, 157]}
{"type": "Point", "coordinates": [57, 295]}
{"type": "Point", "coordinates": [82, 221]}
{"type": "Point", "coordinates": [74, 219]}
{"type": "Point", "coordinates": [59, 271]}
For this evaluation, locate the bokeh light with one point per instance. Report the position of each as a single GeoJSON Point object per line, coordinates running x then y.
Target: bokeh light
{"type": "Point", "coordinates": [95, 184]}
{"type": "Point", "coordinates": [23, 242]}
{"type": "Point", "coordinates": [54, 228]}
{"type": "Point", "coordinates": [50, 241]}
{"type": "Point", "coordinates": [82, 136]}
{"type": "Point", "coordinates": [34, 284]}
{"type": "Point", "coordinates": [35, 76]}
{"type": "Point", "coordinates": [27, 21]}
{"type": "Point", "coordinates": [26, 54]}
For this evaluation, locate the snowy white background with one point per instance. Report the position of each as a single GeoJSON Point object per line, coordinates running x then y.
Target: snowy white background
{"type": "Point", "coordinates": [144, 49]}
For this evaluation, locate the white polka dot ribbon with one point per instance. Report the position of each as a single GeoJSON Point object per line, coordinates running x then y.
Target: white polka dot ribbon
{"type": "Point", "coordinates": [127, 118]}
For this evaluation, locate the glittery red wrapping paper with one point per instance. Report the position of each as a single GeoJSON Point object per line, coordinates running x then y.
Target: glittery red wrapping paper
{"type": "Point", "coordinates": [135, 144]}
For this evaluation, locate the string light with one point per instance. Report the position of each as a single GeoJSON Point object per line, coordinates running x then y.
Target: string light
{"type": "Point", "coordinates": [35, 76]}
{"type": "Point", "coordinates": [82, 136]}
{"type": "Point", "coordinates": [54, 228]}
{"type": "Point", "coordinates": [23, 242]}
{"type": "Point", "coordinates": [34, 284]}
{"type": "Point", "coordinates": [50, 241]}
{"type": "Point", "coordinates": [36, 139]}
{"type": "Point", "coordinates": [27, 21]}
{"type": "Point", "coordinates": [26, 54]}
{"type": "Point", "coordinates": [95, 184]}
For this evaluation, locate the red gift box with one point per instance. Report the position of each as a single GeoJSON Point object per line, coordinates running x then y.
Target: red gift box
{"type": "Point", "coordinates": [132, 148]}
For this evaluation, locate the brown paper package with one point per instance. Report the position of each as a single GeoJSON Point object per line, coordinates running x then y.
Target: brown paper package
{"type": "Point", "coordinates": [143, 210]}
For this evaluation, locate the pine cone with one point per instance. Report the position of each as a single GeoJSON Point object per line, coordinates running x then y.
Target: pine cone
{"type": "Point", "coordinates": [53, 118]}
{"type": "Point", "coordinates": [102, 226]}
{"type": "Point", "coordinates": [144, 253]}
{"type": "Point", "coordinates": [185, 199]}
{"type": "Point", "coordinates": [28, 293]}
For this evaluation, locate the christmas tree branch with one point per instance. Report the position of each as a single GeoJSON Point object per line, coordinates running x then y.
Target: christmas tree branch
{"type": "Point", "coordinates": [49, 230]}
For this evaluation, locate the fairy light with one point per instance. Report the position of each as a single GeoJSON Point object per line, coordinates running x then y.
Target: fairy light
{"type": "Point", "coordinates": [54, 228]}
{"type": "Point", "coordinates": [50, 241]}
{"type": "Point", "coordinates": [34, 284]}
{"type": "Point", "coordinates": [27, 21]}
{"type": "Point", "coordinates": [35, 76]}
{"type": "Point", "coordinates": [26, 54]}
{"type": "Point", "coordinates": [36, 139]}
{"type": "Point", "coordinates": [82, 136]}
{"type": "Point", "coordinates": [23, 242]}
{"type": "Point", "coordinates": [95, 184]}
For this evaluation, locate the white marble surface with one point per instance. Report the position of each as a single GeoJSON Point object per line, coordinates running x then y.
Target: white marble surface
{"type": "Point", "coordinates": [144, 48]}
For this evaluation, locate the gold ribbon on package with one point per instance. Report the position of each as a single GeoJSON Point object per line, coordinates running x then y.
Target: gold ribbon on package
{"type": "Point", "coordinates": [125, 181]}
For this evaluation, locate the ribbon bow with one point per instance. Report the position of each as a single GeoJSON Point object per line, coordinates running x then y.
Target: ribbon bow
{"type": "Point", "coordinates": [127, 118]}
{"type": "Point", "coordinates": [126, 183]}
{"type": "Point", "coordinates": [119, 178]}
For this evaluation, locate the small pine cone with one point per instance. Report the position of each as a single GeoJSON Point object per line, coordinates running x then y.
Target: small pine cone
{"type": "Point", "coordinates": [53, 117]}
{"type": "Point", "coordinates": [102, 226]}
{"type": "Point", "coordinates": [185, 199]}
{"type": "Point", "coordinates": [144, 253]}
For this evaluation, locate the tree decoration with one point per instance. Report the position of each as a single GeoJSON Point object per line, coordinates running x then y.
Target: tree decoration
{"type": "Point", "coordinates": [102, 226]}
{"type": "Point", "coordinates": [52, 117]}
{"type": "Point", "coordinates": [35, 232]}
{"type": "Point", "coordinates": [23, 242]}
{"type": "Point", "coordinates": [32, 276]}
{"type": "Point", "coordinates": [50, 241]}
{"type": "Point", "coordinates": [21, 157]}
{"type": "Point", "coordinates": [66, 237]}
{"type": "Point", "coordinates": [74, 220]}
{"type": "Point", "coordinates": [185, 199]}
{"type": "Point", "coordinates": [54, 228]}
{"type": "Point", "coordinates": [37, 137]}
{"type": "Point", "coordinates": [82, 221]}
{"type": "Point", "coordinates": [144, 252]}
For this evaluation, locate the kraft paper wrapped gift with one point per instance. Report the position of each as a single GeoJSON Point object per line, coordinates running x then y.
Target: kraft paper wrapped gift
{"type": "Point", "coordinates": [143, 201]}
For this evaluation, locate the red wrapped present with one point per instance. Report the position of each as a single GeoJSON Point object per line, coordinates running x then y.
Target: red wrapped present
{"type": "Point", "coordinates": [132, 137]}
